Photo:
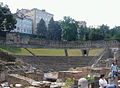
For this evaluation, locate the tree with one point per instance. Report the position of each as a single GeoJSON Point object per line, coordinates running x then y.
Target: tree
{"type": "Point", "coordinates": [7, 20]}
{"type": "Point", "coordinates": [115, 32]}
{"type": "Point", "coordinates": [95, 34]}
{"type": "Point", "coordinates": [50, 32]}
{"type": "Point", "coordinates": [41, 29]}
{"type": "Point", "coordinates": [104, 30]}
{"type": "Point", "coordinates": [82, 33]}
{"type": "Point", "coordinates": [54, 30]}
{"type": "Point", "coordinates": [58, 30]}
{"type": "Point", "coordinates": [69, 29]}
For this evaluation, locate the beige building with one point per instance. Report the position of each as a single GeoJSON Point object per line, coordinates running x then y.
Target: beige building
{"type": "Point", "coordinates": [36, 16]}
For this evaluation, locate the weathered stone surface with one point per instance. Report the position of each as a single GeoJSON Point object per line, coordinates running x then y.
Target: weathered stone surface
{"type": "Point", "coordinates": [45, 85]}
{"type": "Point", "coordinates": [64, 75]}
{"type": "Point", "coordinates": [35, 76]}
{"type": "Point", "coordinates": [17, 38]}
{"type": "Point", "coordinates": [56, 63]}
{"type": "Point", "coordinates": [99, 70]}
{"type": "Point", "coordinates": [14, 80]}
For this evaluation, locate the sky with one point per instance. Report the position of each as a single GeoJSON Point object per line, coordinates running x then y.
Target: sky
{"type": "Point", "coordinates": [94, 12]}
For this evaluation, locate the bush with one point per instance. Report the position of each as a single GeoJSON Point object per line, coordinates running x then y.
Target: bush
{"type": "Point", "coordinates": [70, 82]}
{"type": "Point", "coordinates": [90, 78]}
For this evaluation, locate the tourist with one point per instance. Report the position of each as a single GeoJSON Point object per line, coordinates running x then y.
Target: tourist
{"type": "Point", "coordinates": [103, 83]}
{"type": "Point", "coordinates": [114, 69]}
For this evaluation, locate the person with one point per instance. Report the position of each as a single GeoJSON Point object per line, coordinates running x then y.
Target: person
{"type": "Point", "coordinates": [103, 83]}
{"type": "Point", "coordinates": [114, 70]}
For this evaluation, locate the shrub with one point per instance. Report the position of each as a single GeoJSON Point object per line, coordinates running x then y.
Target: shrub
{"type": "Point", "coordinates": [90, 78]}
{"type": "Point", "coordinates": [70, 82]}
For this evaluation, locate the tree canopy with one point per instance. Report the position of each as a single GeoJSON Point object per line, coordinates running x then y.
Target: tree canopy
{"type": "Point", "coordinates": [54, 30]}
{"type": "Point", "coordinates": [41, 29]}
{"type": "Point", "coordinates": [69, 29]}
{"type": "Point", "coordinates": [7, 20]}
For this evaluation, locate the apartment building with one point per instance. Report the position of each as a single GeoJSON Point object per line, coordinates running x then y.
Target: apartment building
{"type": "Point", "coordinates": [36, 15]}
{"type": "Point", "coordinates": [24, 24]}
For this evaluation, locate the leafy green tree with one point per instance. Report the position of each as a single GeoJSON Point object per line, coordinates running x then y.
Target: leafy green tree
{"type": "Point", "coordinates": [69, 29]}
{"type": "Point", "coordinates": [115, 32]}
{"type": "Point", "coordinates": [58, 31]}
{"type": "Point", "coordinates": [50, 32]}
{"type": "Point", "coordinates": [82, 33]}
{"type": "Point", "coordinates": [7, 20]}
{"type": "Point", "coordinates": [41, 29]}
{"type": "Point", "coordinates": [104, 30]}
{"type": "Point", "coordinates": [54, 30]}
{"type": "Point", "coordinates": [95, 34]}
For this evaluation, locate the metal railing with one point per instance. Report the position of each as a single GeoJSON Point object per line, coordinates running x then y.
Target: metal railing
{"type": "Point", "coordinates": [95, 58]}
{"type": "Point", "coordinates": [99, 58]}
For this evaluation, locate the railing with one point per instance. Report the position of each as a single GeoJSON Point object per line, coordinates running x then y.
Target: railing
{"type": "Point", "coordinates": [99, 58]}
{"type": "Point", "coordinates": [95, 58]}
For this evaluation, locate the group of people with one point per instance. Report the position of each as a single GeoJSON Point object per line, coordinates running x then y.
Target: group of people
{"type": "Point", "coordinates": [114, 70]}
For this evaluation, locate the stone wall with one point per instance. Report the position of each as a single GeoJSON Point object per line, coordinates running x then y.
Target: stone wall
{"type": "Point", "coordinates": [16, 38]}
{"type": "Point", "coordinates": [19, 40]}
{"type": "Point", "coordinates": [56, 63]}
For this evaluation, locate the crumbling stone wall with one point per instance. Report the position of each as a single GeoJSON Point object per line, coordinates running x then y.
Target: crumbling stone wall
{"type": "Point", "coordinates": [14, 80]}
{"type": "Point", "coordinates": [34, 76]}
{"type": "Point", "coordinates": [16, 38]}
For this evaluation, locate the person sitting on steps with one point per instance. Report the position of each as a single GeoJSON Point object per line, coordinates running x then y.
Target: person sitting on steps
{"type": "Point", "coordinates": [103, 83]}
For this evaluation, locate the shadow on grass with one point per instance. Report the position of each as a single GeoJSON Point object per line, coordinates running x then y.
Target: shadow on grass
{"type": "Point", "coordinates": [12, 49]}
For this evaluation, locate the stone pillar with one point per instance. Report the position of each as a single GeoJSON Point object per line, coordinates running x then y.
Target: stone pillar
{"type": "Point", "coordinates": [82, 83]}
{"type": "Point", "coordinates": [85, 52]}
{"type": "Point", "coordinates": [66, 53]}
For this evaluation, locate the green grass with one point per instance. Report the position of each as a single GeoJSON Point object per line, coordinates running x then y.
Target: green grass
{"type": "Point", "coordinates": [15, 51]}
{"type": "Point", "coordinates": [94, 52]}
{"type": "Point", "coordinates": [74, 52]}
{"type": "Point", "coordinates": [47, 52]}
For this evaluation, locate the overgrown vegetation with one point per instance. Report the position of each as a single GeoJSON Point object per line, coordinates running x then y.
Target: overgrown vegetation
{"type": "Point", "coordinates": [90, 78]}
{"type": "Point", "coordinates": [70, 82]}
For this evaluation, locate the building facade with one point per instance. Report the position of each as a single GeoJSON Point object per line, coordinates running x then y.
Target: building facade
{"type": "Point", "coordinates": [24, 24]}
{"type": "Point", "coordinates": [36, 15]}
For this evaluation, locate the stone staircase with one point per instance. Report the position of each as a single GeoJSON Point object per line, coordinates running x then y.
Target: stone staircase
{"type": "Point", "coordinates": [16, 67]}
{"type": "Point", "coordinates": [56, 63]}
